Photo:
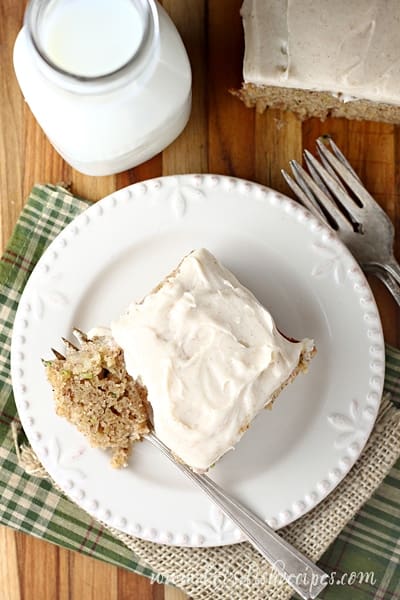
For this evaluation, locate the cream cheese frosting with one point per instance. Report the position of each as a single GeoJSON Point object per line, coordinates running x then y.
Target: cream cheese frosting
{"type": "Point", "coordinates": [350, 48]}
{"type": "Point", "coordinates": [209, 355]}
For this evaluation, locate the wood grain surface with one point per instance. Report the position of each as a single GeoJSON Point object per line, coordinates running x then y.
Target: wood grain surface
{"type": "Point", "coordinates": [221, 137]}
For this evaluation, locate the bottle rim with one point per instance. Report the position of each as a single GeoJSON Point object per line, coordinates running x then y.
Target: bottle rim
{"type": "Point", "coordinates": [132, 68]}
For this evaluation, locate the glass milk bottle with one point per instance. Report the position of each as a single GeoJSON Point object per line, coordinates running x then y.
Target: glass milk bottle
{"type": "Point", "coordinates": [109, 81]}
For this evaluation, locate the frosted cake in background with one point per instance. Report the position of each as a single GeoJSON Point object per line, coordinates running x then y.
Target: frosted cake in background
{"type": "Point", "coordinates": [319, 58]}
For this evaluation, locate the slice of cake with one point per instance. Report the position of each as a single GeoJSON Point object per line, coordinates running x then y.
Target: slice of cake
{"type": "Point", "coordinates": [199, 353]}
{"type": "Point", "coordinates": [209, 356]}
{"type": "Point", "coordinates": [319, 58]}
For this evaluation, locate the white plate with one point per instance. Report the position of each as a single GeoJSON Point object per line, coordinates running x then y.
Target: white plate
{"type": "Point", "coordinates": [293, 455]}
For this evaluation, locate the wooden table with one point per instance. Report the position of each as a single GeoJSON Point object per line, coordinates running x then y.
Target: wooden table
{"type": "Point", "coordinates": [222, 137]}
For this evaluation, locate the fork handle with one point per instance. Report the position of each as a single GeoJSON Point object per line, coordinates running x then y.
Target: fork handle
{"type": "Point", "coordinates": [299, 572]}
{"type": "Point", "coordinates": [394, 269]}
{"type": "Point", "coordinates": [387, 279]}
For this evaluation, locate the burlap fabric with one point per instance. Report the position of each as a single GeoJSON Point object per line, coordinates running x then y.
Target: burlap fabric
{"type": "Point", "coordinates": [238, 572]}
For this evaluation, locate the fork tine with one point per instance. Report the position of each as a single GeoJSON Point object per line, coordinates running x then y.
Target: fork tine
{"type": "Point", "coordinates": [322, 198]}
{"type": "Point", "coordinates": [300, 178]}
{"type": "Point", "coordinates": [312, 205]}
{"type": "Point", "coordinates": [353, 183]}
{"type": "Point", "coordinates": [80, 335]}
{"type": "Point", "coordinates": [69, 345]}
{"type": "Point", "coordinates": [306, 184]}
{"type": "Point", "coordinates": [310, 161]}
{"type": "Point", "coordinates": [315, 175]}
{"type": "Point", "coordinates": [327, 139]}
{"type": "Point", "coordinates": [328, 167]}
{"type": "Point", "coordinates": [58, 354]}
{"type": "Point", "coordinates": [354, 211]}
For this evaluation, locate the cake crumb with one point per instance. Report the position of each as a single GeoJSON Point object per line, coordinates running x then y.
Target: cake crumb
{"type": "Point", "coordinates": [93, 391]}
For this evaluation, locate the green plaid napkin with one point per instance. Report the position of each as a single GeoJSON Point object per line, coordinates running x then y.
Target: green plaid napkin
{"type": "Point", "coordinates": [27, 503]}
{"type": "Point", "coordinates": [369, 543]}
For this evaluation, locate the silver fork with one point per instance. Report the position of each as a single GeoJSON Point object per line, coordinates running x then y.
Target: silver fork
{"type": "Point", "coordinates": [298, 571]}
{"type": "Point", "coordinates": [359, 221]}
{"type": "Point", "coordinates": [306, 578]}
